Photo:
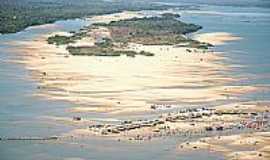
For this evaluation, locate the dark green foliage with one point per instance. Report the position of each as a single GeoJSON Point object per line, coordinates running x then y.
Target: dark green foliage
{"type": "Point", "coordinates": [102, 51]}
{"type": "Point", "coordinates": [154, 26]}
{"type": "Point", "coordinates": [146, 53]}
{"type": "Point", "coordinates": [164, 30]}
{"type": "Point", "coordinates": [199, 45]}
{"type": "Point", "coordinates": [171, 15]}
{"type": "Point", "coordinates": [15, 15]}
{"type": "Point", "coordinates": [62, 40]}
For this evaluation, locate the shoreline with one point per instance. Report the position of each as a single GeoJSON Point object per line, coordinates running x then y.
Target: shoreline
{"type": "Point", "coordinates": [16, 23]}
{"type": "Point", "coordinates": [190, 61]}
{"type": "Point", "coordinates": [98, 84]}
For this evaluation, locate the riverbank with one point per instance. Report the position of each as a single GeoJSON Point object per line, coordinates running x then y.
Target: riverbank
{"type": "Point", "coordinates": [20, 14]}
{"type": "Point", "coordinates": [149, 78]}
{"type": "Point", "coordinates": [139, 90]}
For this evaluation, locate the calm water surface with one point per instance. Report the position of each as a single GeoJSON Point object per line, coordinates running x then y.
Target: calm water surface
{"type": "Point", "coordinates": [20, 112]}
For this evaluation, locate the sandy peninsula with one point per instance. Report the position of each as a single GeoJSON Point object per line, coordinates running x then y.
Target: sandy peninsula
{"type": "Point", "coordinates": [216, 38]}
{"type": "Point", "coordinates": [159, 85]}
{"type": "Point", "coordinates": [98, 84]}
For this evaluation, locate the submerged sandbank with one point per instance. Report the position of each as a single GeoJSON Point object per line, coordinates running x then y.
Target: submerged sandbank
{"type": "Point", "coordinates": [216, 38]}
{"type": "Point", "coordinates": [127, 85]}
{"type": "Point", "coordinates": [172, 74]}
{"type": "Point", "coordinates": [123, 85]}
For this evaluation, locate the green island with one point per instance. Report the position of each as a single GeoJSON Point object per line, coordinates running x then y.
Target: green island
{"type": "Point", "coordinates": [165, 29]}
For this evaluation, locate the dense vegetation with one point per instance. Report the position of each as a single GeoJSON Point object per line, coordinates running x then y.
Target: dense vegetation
{"type": "Point", "coordinates": [165, 24]}
{"type": "Point", "coordinates": [163, 30]}
{"type": "Point", "coordinates": [15, 15]}
{"type": "Point", "coordinates": [104, 48]}
{"type": "Point", "coordinates": [103, 51]}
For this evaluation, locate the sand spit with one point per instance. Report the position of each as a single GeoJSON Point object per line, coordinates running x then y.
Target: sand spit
{"type": "Point", "coordinates": [120, 85]}
{"type": "Point", "coordinates": [216, 38]}
{"type": "Point", "coordinates": [158, 85]}
{"type": "Point", "coordinates": [104, 83]}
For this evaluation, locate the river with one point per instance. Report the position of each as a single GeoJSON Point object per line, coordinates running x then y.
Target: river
{"type": "Point", "coordinates": [22, 112]}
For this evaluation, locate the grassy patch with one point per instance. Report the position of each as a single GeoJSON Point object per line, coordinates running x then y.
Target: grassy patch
{"type": "Point", "coordinates": [62, 40]}
{"type": "Point", "coordinates": [101, 51]}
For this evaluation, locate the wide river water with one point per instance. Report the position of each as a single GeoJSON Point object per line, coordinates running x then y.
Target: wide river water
{"type": "Point", "coordinates": [21, 112]}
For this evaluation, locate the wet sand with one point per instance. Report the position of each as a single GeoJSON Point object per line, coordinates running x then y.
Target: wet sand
{"type": "Point", "coordinates": [216, 38]}
{"type": "Point", "coordinates": [252, 144]}
{"type": "Point", "coordinates": [124, 84]}
{"type": "Point", "coordinates": [247, 146]}
{"type": "Point", "coordinates": [234, 120]}
{"type": "Point", "coordinates": [129, 86]}
{"type": "Point", "coordinates": [115, 17]}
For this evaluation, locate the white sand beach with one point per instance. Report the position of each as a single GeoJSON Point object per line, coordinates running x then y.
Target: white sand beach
{"type": "Point", "coordinates": [127, 85]}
